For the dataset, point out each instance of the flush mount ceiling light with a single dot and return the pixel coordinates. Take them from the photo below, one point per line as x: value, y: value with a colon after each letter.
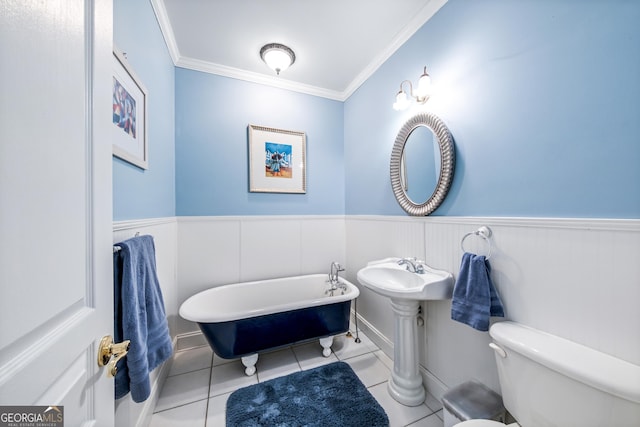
x: 277, y: 56
x: 421, y: 95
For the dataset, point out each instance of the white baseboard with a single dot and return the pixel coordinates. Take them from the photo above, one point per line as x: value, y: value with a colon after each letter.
x: 144, y: 418
x: 433, y: 385
x: 139, y: 414
x: 384, y: 343
x: 190, y: 340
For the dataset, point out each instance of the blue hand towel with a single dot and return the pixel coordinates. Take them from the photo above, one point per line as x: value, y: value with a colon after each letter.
x: 139, y: 316
x: 475, y: 298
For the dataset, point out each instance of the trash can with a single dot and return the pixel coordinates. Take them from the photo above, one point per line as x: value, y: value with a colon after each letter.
x: 472, y: 400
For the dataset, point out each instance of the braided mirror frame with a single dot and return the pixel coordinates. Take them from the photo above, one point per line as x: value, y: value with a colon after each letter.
x: 447, y: 163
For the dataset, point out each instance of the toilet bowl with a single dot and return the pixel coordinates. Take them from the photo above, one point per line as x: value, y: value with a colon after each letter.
x: 548, y: 380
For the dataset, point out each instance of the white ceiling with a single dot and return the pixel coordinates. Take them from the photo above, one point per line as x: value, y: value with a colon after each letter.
x: 338, y: 43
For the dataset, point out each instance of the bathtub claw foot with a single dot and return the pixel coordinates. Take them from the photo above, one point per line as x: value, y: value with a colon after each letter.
x: 326, y: 343
x: 250, y: 363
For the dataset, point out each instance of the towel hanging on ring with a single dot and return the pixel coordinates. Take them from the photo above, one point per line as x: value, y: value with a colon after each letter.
x: 475, y: 298
x: 139, y: 316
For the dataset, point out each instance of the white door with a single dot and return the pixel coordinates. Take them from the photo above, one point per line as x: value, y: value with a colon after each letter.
x: 55, y: 206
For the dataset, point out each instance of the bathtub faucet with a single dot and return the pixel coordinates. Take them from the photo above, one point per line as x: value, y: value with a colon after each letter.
x: 334, y: 278
x: 413, y: 265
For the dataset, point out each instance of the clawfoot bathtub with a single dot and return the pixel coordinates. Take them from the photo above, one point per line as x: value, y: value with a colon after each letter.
x: 243, y: 319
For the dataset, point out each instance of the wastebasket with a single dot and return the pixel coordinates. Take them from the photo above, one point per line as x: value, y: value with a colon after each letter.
x: 472, y: 400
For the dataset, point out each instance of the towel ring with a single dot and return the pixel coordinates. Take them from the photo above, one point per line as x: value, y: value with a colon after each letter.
x: 485, y: 233
x: 116, y: 248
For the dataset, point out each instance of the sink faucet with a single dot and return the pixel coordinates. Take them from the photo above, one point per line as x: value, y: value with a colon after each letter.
x: 412, y: 264
x: 334, y: 279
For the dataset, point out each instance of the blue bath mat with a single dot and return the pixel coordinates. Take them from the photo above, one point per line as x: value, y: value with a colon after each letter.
x: 331, y: 395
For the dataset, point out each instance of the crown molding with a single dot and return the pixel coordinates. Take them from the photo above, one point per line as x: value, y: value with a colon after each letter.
x: 414, y: 25
x: 236, y: 73
x: 166, y: 29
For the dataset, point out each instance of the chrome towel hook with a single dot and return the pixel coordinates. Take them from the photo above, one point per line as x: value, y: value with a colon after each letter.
x: 484, y: 232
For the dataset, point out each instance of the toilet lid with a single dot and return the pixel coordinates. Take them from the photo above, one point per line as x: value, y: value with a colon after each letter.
x: 480, y: 423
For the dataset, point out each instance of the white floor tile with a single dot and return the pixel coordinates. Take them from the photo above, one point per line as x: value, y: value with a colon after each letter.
x: 369, y: 369
x: 191, y: 360
x: 388, y: 362
x: 217, y: 360
x: 216, y: 413
x: 188, y: 398
x: 309, y: 355
x: 185, y: 388
x: 345, y: 347
x: 276, y: 364
x: 191, y: 415
x: 430, y: 421
x: 229, y: 377
x: 433, y: 403
x: 195, y: 340
x: 399, y: 415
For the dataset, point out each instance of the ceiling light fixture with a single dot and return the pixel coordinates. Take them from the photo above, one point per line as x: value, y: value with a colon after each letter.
x: 422, y: 92
x: 277, y: 56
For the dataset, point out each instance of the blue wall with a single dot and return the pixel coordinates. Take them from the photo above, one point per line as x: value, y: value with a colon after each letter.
x: 212, y: 116
x: 542, y: 99
x: 148, y: 193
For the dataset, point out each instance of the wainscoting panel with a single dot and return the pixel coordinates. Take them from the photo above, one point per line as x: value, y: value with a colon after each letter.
x: 164, y: 232
x: 575, y: 278
x: 214, y: 251
x: 374, y: 238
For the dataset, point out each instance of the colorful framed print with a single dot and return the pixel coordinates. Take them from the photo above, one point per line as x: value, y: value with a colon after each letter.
x: 129, y: 130
x: 277, y: 160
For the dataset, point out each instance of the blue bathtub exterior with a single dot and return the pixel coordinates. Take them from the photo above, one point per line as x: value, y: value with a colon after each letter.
x: 242, y: 337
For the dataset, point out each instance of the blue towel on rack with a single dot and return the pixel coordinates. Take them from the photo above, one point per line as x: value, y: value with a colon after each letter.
x: 475, y: 298
x: 139, y: 316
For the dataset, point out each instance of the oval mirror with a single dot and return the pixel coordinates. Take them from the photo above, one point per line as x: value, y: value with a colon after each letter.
x: 422, y: 164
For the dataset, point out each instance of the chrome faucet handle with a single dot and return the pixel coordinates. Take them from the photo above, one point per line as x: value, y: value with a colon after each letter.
x: 334, y: 273
x: 413, y: 265
x: 408, y: 263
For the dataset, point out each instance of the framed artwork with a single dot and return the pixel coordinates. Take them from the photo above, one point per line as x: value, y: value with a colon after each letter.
x: 277, y: 160
x: 129, y: 131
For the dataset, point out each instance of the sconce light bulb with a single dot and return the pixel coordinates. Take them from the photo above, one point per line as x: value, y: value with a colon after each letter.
x: 421, y: 94
x: 424, y: 87
x: 401, y: 101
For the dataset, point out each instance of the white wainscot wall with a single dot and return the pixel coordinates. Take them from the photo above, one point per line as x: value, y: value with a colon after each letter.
x: 164, y: 232
x: 214, y: 251
x: 575, y: 278
x: 579, y: 279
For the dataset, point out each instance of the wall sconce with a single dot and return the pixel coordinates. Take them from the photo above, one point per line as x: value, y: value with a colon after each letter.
x: 277, y: 56
x: 423, y: 91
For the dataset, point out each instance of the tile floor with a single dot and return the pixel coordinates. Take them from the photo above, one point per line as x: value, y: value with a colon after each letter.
x: 199, y: 384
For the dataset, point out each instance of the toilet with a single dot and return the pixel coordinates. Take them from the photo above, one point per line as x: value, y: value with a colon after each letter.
x: 550, y: 381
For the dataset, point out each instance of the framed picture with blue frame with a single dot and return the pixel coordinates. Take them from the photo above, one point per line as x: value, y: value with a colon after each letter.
x: 277, y: 160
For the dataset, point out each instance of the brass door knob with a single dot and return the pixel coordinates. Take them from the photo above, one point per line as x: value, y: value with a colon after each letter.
x: 106, y: 349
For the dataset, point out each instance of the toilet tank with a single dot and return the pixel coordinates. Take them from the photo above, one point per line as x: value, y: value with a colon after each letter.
x: 550, y: 381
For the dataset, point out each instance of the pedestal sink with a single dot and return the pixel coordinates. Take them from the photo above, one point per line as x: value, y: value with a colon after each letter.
x: 406, y: 288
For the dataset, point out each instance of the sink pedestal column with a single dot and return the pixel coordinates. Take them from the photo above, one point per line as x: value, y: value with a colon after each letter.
x: 405, y: 385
